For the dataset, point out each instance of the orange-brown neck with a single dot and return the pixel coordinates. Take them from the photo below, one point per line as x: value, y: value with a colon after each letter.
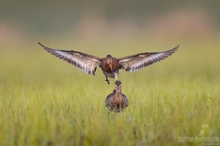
x: 109, y: 65
x: 118, y: 97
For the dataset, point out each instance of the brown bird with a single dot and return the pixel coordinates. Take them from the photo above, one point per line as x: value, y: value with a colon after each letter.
x: 116, y: 101
x: 110, y: 66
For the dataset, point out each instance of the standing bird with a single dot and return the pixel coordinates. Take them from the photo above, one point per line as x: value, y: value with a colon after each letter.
x: 116, y: 101
x: 110, y: 66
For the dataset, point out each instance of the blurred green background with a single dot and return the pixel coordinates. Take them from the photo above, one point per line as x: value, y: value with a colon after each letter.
x: 68, y: 22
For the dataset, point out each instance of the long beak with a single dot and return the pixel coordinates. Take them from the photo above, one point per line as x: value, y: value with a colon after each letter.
x: 110, y: 65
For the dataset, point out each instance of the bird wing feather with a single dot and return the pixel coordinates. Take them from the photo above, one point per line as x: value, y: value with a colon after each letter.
x: 135, y: 62
x: 85, y: 62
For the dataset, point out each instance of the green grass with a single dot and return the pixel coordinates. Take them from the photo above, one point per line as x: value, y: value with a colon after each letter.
x: 45, y: 101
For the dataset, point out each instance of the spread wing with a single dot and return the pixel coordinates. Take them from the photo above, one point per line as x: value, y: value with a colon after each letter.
x: 135, y: 62
x: 85, y: 62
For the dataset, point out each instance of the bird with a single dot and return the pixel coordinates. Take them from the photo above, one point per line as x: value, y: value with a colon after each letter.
x: 116, y: 101
x: 110, y: 65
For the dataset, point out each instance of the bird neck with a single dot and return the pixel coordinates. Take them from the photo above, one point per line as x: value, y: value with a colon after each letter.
x: 118, y: 91
x: 118, y: 94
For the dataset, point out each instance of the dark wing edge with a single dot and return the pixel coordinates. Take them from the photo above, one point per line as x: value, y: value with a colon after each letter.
x: 135, y: 62
x: 85, y: 62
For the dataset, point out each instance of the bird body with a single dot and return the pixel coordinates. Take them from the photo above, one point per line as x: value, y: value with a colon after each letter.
x: 116, y: 101
x: 110, y: 65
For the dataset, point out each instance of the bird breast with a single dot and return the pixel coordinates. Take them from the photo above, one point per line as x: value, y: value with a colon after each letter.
x: 118, y: 98
x: 106, y: 66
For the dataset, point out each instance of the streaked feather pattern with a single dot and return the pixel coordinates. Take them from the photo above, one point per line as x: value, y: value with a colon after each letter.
x: 135, y: 62
x: 82, y: 61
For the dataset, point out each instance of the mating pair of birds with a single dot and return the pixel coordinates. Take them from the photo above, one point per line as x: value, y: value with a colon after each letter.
x: 110, y: 66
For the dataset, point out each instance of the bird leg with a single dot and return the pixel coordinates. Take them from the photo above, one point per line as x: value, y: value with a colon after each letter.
x: 107, y: 80
x: 116, y: 76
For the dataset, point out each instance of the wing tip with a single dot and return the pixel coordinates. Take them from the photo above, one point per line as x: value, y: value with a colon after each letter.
x: 171, y: 51
x: 41, y: 44
x: 45, y: 48
x: 176, y: 48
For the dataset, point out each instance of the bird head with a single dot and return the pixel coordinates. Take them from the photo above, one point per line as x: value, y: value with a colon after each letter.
x: 118, y: 86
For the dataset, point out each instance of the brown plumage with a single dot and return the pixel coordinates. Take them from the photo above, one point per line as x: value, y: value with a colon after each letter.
x: 110, y: 66
x: 116, y: 101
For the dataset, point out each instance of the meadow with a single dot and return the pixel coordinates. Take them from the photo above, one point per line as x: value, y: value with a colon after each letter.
x: 47, y: 102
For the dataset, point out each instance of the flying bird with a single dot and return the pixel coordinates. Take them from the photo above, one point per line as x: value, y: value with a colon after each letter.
x: 116, y: 101
x: 110, y: 65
